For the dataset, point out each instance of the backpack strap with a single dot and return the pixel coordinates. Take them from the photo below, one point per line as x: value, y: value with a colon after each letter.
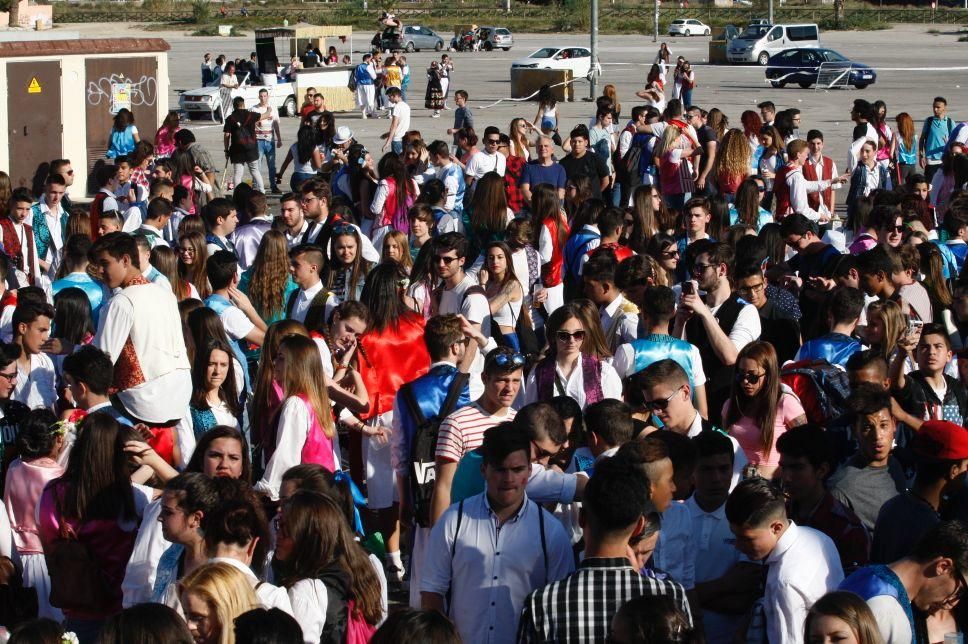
x: 412, y: 405
x: 453, y: 394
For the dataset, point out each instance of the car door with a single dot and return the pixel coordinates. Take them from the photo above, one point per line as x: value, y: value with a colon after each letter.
x: 788, y: 63
x: 809, y: 66
x: 581, y: 61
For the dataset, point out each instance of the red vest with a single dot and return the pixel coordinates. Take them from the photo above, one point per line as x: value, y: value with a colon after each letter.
x: 810, y: 174
x: 551, y: 273
x: 13, y: 248
x: 782, y: 192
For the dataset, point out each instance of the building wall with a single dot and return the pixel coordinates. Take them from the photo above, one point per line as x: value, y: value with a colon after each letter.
x: 30, y: 14
x: 74, y: 91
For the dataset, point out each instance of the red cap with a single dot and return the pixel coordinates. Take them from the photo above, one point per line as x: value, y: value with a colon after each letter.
x: 941, y: 440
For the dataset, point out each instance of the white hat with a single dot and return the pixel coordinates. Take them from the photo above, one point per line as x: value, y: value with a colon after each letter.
x: 343, y: 135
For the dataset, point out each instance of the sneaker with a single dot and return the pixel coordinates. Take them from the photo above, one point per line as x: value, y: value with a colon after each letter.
x: 435, y: 115
x: 364, y: 116
x: 275, y: 190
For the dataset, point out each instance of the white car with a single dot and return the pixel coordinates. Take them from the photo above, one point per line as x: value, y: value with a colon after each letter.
x: 688, y: 27
x: 577, y: 59
x: 213, y: 103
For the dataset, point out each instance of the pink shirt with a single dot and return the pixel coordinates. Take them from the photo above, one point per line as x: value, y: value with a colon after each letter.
x: 25, y: 483
x: 748, y: 434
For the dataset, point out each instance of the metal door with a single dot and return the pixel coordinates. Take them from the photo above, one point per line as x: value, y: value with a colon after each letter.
x: 34, y: 118
x: 102, y: 76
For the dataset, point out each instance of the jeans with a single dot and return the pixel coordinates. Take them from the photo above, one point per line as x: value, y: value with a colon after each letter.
x: 267, y: 151
x: 239, y: 169
x: 397, y: 146
x: 686, y: 96
x: 299, y: 178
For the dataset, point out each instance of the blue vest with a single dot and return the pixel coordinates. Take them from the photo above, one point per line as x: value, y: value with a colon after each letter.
x: 362, y: 75
x: 835, y: 348
x: 213, y: 239
x: 576, y: 247
x: 93, y: 290
x: 202, y: 420
x: 468, y: 479
x: 42, y: 234
x: 220, y: 304
x: 655, y: 347
x: 429, y: 390
x: 454, y: 170
x: 959, y: 251
x: 877, y: 581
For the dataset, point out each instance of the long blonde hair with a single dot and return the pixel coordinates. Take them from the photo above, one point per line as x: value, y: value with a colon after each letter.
x: 668, y: 140
x: 735, y: 158
x: 303, y: 376
x: 226, y: 590
x: 270, y: 273
x: 892, y: 319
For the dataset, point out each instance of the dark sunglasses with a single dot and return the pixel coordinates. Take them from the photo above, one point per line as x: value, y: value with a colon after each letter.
x: 543, y: 453
x: 446, y: 260
x: 564, y: 336
x: 895, y: 229
x: 751, y: 378
x: 494, y: 141
x: 508, y: 359
x: 660, y: 403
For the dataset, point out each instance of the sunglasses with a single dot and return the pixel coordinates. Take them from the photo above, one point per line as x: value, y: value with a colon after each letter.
x: 508, y: 359
x: 564, y: 336
x: 750, y: 377
x: 494, y: 141
x: 446, y: 260
x: 670, y: 253
x: 660, y: 404
x: 543, y: 453
x: 343, y: 229
x: 895, y: 229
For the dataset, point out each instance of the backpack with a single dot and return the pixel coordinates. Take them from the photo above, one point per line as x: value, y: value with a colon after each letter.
x: 76, y: 580
x: 351, y: 83
x: 423, y: 446
x: 823, y: 388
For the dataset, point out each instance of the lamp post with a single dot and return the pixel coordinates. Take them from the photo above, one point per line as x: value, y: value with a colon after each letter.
x: 655, y: 22
x: 593, y: 76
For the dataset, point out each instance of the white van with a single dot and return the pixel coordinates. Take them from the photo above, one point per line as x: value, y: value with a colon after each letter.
x: 759, y: 42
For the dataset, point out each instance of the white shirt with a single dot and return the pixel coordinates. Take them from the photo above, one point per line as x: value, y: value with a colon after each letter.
x: 574, y: 384
x: 747, y: 327
x: 715, y: 554
x: 451, y: 185
x: 237, y: 324
x: 269, y: 596
x: 263, y: 127
x: 25, y: 250
x: 739, y: 456
x: 803, y: 567
x: 37, y: 388
x: 185, y: 430
x: 493, y: 568
x: 247, y: 239
x: 54, y: 251
x: 475, y: 308
x: 293, y: 428
x: 401, y: 112
x: 675, y: 551
x: 551, y: 485
x: 482, y: 163
x: 799, y: 188
x: 891, y: 621
x: 627, y: 329
x: 309, y: 603
x: 149, y: 545
x: 303, y: 299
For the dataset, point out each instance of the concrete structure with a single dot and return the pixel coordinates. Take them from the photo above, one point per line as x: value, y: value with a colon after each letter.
x: 61, y: 96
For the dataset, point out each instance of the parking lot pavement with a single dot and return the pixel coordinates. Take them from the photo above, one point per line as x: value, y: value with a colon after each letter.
x: 625, y: 60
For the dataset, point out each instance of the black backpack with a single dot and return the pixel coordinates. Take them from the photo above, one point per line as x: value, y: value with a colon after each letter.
x: 823, y: 388
x: 423, y: 446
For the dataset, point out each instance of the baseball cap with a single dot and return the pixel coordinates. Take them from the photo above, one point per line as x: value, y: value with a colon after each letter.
x: 940, y: 440
x: 343, y: 134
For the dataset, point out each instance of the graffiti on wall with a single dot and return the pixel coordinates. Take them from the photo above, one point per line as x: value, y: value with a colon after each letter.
x: 142, y: 92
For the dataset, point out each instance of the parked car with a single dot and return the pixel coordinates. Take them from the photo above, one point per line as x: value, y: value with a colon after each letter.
x: 577, y: 59
x: 802, y: 66
x: 413, y: 38
x: 760, y: 41
x: 688, y: 27
x: 495, y: 38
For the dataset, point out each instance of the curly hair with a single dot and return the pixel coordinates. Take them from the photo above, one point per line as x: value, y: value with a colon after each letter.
x: 734, y: 156
x: 270, y: 272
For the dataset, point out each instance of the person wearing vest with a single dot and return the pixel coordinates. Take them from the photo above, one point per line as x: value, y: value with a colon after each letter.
x: 158, y: 213
x: 243, y: 325
x: 567, y: 370
x: 221, y: 219
x: 867, y: 177
x: 819, y: 167
x: 141, y: 330
x: 389, y: 207
x: 18, y: 237
x: 719, y: 323
x: 451, y: 175
x: 791, y: 187
x: 315, y: 199
x: 619, y: 316
x: 580, y: 243
x: 551, y: 234
x: 106, y: 179
x: 365, y: 77
x: 444, y: 338
x: 312, y: 304
x: 658, y: 311
x: 929, y: 579
x: 49, y: 220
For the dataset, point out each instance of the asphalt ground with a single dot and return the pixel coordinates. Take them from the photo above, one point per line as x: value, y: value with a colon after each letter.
x: 910, y: 64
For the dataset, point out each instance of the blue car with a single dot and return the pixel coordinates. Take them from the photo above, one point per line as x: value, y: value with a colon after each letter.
x: 803, y: 66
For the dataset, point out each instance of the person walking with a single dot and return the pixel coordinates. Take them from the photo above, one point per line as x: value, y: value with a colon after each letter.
x: 434, y: 97
x: 241, y: 147
x: 268, y: 136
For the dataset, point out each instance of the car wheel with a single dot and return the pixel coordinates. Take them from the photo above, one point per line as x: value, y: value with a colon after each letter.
x: 195, y: 116
x: 410, y: 48
x: 488, y: 46
x: 763, y: 58
x: 778, y: 83
x: 805, y: 84
x: 687, y: 33
x: 709, y: 32
x: 861, y: 85
x: 506, y: 48
x: 289, y: 107
x: 439, y: 45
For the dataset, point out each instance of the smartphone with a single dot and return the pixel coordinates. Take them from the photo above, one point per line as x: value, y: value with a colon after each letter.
x: 689, y: 287
x: 914, y: 327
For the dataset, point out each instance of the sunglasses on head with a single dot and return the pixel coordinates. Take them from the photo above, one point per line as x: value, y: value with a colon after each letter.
x: 564, y: 336
x: 508, y: 359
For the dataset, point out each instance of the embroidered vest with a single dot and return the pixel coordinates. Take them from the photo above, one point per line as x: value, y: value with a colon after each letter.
x: 547, y: 374
x: 202, y: 421
x: 810, y: 174
x: 880, y: 581
x: 220, y: 304
x: 575, y: 248
x: 14, y: 249
x: 782, y: 191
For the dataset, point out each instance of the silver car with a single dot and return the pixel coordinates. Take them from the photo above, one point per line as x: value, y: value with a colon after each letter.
x: 415, y: 38
x: 495, y: 38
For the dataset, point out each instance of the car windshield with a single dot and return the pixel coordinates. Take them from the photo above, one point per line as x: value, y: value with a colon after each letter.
x: 755, y: 32
x: 546, y: 52
x: 833, y: 56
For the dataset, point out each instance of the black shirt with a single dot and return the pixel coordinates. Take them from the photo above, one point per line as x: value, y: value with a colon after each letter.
x: 781, y: 330
x: 241, y: 125
x: 705, y: 134
x: 590, y: 166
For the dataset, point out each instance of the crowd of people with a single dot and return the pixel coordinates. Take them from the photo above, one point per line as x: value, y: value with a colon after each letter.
x: 646, y: 383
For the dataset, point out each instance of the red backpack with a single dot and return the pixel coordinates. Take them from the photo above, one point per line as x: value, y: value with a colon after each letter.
x: 823, y: 388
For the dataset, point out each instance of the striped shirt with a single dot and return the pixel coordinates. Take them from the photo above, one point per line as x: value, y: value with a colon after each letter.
x: 580, y: 607
x: 463, y: 431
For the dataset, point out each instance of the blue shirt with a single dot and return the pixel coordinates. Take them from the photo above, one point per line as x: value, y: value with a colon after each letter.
x: 835, y: 348
x: 935, y: 134
x: 95, y: 291
x: 535, y: 173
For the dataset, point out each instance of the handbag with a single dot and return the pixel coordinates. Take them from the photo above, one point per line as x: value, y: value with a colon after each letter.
x: 76, y: 580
